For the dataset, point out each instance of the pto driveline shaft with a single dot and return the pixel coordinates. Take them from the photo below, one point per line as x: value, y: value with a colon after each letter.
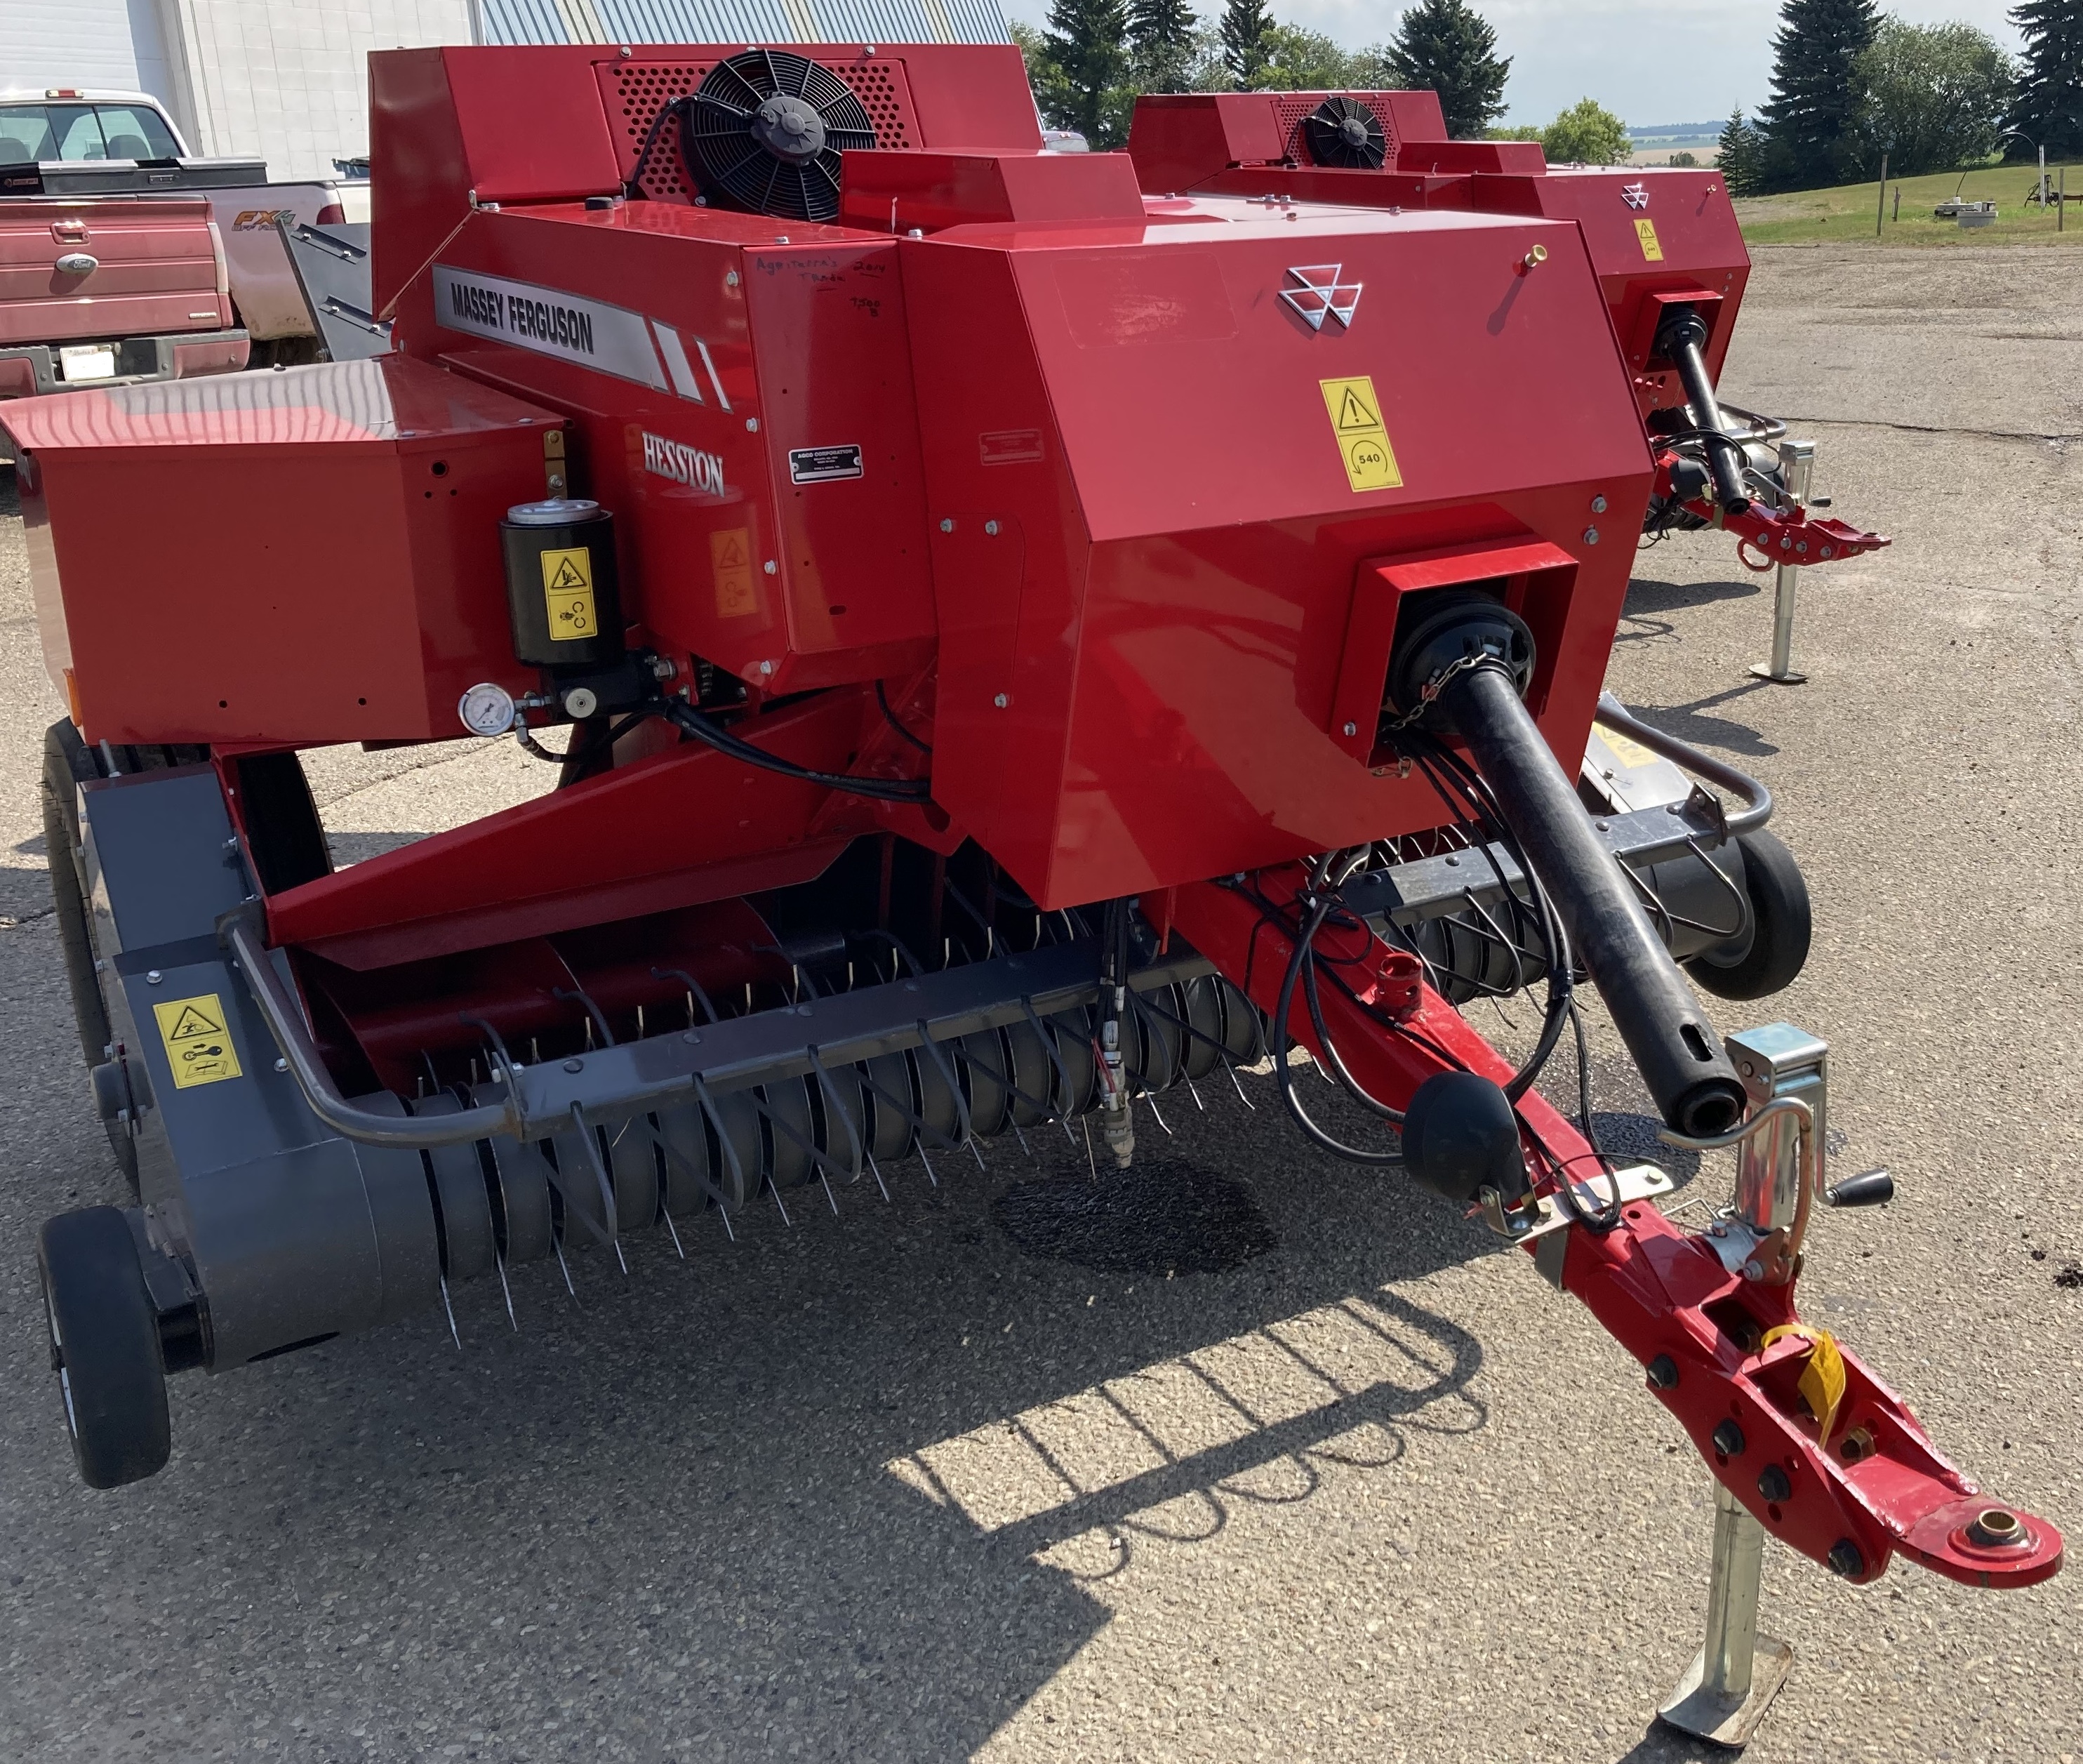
x: 1674, y: 1046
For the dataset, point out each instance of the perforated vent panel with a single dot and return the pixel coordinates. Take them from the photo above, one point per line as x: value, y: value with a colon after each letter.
x: 634, y: 91
x: 1289, y: 108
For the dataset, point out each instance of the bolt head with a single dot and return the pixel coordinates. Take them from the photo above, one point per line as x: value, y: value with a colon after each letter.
x: 1663, y: 1373
x: 1001, y: 701
x: 281, y: 1065
x: 575, y: 1065
x: 1845, y: 1559
x: 1352, y: 729
x: 947, y: 527
x: 1598, y: 505
x: 1591, y: 535
x: 153, y: 976
x: 991, y: 528
x: 1774, y: 1484
x: 752, y: 426
x: 1728, y: 1439
x: 772, y: 568
x: 730, y: 278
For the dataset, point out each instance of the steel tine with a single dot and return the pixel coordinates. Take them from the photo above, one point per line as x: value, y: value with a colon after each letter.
x: 1022, y: 1138
x: 723, y: 1214
x: 499, y: 1262
x: 1150, y: 1098
x: 831, y: 1200
x: 1090, y: 1164
x: 928, y: 1163
x: 558, y: 1244
x: 1193, y: 1091
x: 1239, y: 1083
x: 876, y: 1173
x: 450, y: 1309
x: 672, y: 1229
x: 780, y: 1203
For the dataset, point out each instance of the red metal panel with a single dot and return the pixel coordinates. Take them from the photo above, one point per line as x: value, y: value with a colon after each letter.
x: 533, y: 123
x: 890, y: 193
x: 674, y: 829
x: 227, y: 605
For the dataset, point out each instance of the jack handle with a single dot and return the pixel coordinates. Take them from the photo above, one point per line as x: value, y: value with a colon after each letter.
x: 1778, y: 1256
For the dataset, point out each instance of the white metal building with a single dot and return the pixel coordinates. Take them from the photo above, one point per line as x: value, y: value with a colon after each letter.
x: 284, y: 80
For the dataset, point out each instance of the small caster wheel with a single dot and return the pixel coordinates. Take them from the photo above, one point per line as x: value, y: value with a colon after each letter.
x: 1766, y: 958
x: 104, y: 1347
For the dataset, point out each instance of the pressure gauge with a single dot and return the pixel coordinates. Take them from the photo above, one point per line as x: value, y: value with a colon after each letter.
x: 487, y: 709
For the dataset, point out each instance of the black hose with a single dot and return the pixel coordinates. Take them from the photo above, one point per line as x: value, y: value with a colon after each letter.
x: 689, y: 720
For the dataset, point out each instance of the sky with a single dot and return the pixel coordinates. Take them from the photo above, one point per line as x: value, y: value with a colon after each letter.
x: 1647, y: 60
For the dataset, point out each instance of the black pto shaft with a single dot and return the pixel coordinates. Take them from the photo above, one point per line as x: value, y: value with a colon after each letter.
x: 1679, y: 338
x: 1475, y: 657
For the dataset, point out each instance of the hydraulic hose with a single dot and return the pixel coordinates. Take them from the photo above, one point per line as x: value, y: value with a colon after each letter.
x: 1674, y: 1046
x: 1679, y: 339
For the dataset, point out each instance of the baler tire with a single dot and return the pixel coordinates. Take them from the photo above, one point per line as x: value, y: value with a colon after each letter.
x: 1782, y: 925
x: 105, y: 1347
x: 67, y: 764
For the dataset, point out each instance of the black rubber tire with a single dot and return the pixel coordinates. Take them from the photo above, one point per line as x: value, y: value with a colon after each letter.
x: 1782, y: 926
x: 67, y: 764
x: 105, y: 1346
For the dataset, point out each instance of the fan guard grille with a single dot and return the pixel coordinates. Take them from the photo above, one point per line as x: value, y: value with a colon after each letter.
x: 721, y: 144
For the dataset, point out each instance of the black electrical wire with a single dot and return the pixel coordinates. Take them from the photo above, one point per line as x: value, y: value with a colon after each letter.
x: 632, y: 186
x: 689, y: 720
x: 889, y: 717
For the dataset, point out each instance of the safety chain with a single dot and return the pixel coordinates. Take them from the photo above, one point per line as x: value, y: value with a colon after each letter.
x: 1439, y: 684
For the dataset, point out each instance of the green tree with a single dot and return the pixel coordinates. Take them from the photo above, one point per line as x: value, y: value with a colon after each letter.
x: 1163, y: 44
x: 1248, y: 29
x: 1738, y: 156
x: 1444, y: 46
x: 1810, y: 134
x: 2048, y: 106
x: 1078, y: 69
x: 1586, y: 133
x: 1930, y: 96
x: 1299, y: 60
x: 1686, y: 159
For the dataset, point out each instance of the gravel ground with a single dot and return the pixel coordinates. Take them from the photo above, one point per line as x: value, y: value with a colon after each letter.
x: 1323, y: 1476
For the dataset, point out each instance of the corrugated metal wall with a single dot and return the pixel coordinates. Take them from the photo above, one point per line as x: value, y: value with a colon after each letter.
x: 743, y: 21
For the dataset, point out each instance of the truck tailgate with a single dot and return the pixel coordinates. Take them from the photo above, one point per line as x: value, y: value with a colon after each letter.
x: 135, y: 266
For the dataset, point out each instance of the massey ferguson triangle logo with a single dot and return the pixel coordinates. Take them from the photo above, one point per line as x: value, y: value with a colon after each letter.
x: 1635, y: 195
x: 1318, y: 294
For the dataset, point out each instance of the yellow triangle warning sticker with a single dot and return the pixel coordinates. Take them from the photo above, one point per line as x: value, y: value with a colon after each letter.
x: 729, y: 549
x: 1354, y: 414
x: 192, y: 1022
x: 569, y: 575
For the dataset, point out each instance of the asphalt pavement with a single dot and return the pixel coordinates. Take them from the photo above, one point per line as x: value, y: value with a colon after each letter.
x: 1253, y: 1455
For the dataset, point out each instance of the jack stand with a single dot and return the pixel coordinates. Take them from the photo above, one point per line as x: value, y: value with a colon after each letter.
x: 1738, y: 1672
x: 1796, y: 460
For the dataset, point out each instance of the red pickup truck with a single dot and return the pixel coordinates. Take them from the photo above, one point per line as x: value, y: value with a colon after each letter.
x: 112, y: 289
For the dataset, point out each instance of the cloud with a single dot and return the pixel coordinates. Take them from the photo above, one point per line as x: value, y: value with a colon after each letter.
x: 1649, y: 61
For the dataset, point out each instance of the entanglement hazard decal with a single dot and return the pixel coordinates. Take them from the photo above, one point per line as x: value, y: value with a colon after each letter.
x: 1363, y: 440
x: 198, y: 1038
x: 568, y: 594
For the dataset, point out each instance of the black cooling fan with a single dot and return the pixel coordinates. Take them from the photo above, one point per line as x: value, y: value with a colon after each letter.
x: 1345, y: 132
x: 765, y: 131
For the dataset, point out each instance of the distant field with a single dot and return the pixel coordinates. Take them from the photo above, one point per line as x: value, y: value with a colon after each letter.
x: 1847, y: 213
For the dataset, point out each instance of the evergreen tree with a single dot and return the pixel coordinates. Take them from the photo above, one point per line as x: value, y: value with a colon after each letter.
x: 1810, y: 139
x: 1444, y: 46
x: 1738, y: 156
x: 2048, y: 107
x: 1246, y: 40
x: 1082, y: 82
x: 1162, y: 41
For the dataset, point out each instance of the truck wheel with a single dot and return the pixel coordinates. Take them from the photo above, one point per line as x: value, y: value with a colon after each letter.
x: 104, y: 1347
x: 1767, y: 959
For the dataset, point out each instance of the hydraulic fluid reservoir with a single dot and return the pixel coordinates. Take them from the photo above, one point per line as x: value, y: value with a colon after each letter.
x: 562, y: 593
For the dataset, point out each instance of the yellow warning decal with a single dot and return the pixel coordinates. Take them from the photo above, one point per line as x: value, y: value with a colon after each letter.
x: 1629, y: 752
x: 568, y: 588
x: 1356, y: 421
x: 1644, y: 230
x: 730, y: 560
x: 1822, y: 1382
x: 198, y: 1042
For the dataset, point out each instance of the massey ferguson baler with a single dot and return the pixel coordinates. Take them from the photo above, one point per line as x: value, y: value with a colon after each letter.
x: 1020, y: 644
